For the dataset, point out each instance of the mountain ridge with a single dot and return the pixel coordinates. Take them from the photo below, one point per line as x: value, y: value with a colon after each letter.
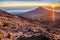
x: 40, y: 13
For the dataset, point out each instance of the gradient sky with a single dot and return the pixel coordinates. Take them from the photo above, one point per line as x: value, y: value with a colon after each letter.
x: 25, y: 5
x: 13, y: 3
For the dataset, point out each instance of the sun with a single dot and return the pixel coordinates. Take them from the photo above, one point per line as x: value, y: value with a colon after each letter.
x: 53, y: 9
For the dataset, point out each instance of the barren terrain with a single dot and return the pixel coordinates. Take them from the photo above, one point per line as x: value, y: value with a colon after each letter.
x: 14, y: 27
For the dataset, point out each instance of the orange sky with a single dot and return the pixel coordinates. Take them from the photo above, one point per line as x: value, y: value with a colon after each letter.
x: 23, y: 5
x: 26, y: 4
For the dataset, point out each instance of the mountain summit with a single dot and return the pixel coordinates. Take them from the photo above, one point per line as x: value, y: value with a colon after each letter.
x: 39, y: 13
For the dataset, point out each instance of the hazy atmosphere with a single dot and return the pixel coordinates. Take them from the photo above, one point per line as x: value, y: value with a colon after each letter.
x: 21, y: 6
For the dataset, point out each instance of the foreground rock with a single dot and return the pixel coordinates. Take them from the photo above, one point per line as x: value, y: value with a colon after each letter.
x: 14, y: 27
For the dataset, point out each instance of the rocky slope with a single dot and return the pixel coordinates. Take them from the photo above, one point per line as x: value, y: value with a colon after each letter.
x: 14, y: 27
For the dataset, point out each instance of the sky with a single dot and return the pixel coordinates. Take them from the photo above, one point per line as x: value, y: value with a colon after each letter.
x: 13, y: 3
x: 25, y: 5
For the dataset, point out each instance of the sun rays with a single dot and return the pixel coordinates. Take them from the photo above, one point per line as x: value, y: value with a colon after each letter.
x: 53, y: 14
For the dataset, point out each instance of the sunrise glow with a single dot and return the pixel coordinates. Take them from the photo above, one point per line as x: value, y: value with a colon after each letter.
x: 23, y: 5
x: 53, y: 14
x: 53, y: 7
x: 26, y: 4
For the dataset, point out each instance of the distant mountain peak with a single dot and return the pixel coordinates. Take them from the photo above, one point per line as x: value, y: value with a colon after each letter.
x: 38, y: 13
x: 39, y: 8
